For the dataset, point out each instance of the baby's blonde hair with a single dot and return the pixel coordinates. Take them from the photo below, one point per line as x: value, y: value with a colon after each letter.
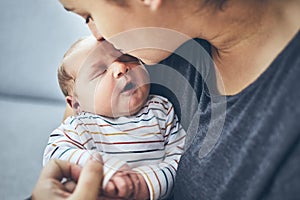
x: 66, y: 81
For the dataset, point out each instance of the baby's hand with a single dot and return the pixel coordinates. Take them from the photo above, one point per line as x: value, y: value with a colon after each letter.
x: 119, y: 185
x: 127, y: 184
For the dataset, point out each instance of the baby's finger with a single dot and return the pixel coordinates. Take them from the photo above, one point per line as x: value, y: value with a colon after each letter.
x: 110, y: 189
x: 70, y: 186
x: 124, y: 186
x: 136, y: 184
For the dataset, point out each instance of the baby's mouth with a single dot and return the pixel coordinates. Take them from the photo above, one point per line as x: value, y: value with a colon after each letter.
x: 129, y: 87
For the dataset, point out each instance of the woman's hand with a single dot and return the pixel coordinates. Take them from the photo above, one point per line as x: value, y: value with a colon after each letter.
x: 88, y: 178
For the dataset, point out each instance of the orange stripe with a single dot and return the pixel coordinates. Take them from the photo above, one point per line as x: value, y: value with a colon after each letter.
x: 167, y: 127
x: 146, y: 134
x: 72, y: 139
x: 80, y: 157
x: 169, y: 124
x: 92, y: 124
x: 176, y: 140
x: 146, y: 126
x: 87, y: 141
x: 173, y: 167
x: 138, y: 142
x: 114, y: 134
x: 72, y: 155
x: 70, y: 131
x: 170, y: 110
x: 80, y: 147
x: 151, y: 185
x: 179, y: 147
x: 100, y: 133
x: 157, y: 180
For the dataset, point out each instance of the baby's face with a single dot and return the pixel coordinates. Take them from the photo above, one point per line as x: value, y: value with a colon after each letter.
x: 108, y: 83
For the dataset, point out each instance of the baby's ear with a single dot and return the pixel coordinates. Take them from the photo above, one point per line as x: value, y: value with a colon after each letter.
x: 73, y: 103
x: 153, y: 4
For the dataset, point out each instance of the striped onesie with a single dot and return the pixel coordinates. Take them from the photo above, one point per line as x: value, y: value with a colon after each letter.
x: 151, y: 142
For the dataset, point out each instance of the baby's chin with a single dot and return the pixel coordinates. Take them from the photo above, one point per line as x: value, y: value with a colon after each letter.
x: 132, y: 110
x: 135, y: 110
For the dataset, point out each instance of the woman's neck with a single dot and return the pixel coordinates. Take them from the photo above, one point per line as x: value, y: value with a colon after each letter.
x: 246, y: 38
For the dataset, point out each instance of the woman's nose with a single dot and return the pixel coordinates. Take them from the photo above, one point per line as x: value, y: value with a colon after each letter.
x: 93, y: 28
x: 119, y: 69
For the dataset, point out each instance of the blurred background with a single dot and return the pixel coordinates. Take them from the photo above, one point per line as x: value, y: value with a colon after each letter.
x: 34, y: 36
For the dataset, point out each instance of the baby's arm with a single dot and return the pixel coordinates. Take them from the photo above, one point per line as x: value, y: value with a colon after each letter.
x: 65, y: 144
x: 160, y: 177
x: 152, y: 181
x: 70, y: 142
x: 155, y: 180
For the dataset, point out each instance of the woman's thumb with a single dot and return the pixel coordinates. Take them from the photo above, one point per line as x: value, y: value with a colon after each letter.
x: 89, y: 181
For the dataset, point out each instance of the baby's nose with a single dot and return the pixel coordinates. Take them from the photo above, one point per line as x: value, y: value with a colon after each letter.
x: 119, y: 69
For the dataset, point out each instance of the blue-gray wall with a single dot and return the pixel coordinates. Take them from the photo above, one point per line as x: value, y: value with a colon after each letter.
x: 34, y: 36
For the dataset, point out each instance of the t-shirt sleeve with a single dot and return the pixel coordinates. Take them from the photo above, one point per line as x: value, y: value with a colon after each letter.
x: 160, y: 177
x: 66, y: 143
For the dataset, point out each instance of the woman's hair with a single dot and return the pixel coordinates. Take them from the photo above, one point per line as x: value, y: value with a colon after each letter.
x: 217, y: 3
x: 118, y: 2
x: 66, y: 80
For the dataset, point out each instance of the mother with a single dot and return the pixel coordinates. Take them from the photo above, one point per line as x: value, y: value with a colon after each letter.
x: 255, y: 47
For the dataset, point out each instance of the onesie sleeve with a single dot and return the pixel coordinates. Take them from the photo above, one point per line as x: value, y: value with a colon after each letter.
x: 71, y: 143
x: 160, y: 177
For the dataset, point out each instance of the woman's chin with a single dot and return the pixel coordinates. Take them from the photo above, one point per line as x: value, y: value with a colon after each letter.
x: 150, y: 56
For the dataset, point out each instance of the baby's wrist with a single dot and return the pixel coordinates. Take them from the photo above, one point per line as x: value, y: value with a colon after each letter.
x: 143, y: 193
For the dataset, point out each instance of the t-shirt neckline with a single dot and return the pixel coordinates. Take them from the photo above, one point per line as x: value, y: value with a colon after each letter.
x: 268, y: 71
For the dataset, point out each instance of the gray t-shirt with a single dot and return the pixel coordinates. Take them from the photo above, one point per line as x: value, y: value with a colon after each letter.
x: 257, y: 152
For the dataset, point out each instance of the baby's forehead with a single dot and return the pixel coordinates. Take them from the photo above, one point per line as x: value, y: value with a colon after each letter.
x: 88, y: 53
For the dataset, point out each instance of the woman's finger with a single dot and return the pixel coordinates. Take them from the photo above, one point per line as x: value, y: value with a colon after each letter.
x: 89, y: 181
x: 59, y: 169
